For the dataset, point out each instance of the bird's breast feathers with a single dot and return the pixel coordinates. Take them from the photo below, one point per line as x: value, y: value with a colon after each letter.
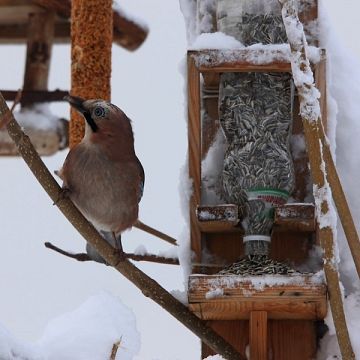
x: 106, y: 191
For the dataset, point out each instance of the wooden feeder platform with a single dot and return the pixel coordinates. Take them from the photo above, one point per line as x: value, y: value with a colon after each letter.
x: 233, y: 297
x: 282, y: 318
x: 226, y: 218
x: 14, y: 15
x: 39, y: 24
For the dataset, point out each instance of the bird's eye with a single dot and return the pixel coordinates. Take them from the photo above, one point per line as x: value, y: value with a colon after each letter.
x: 99, y: 111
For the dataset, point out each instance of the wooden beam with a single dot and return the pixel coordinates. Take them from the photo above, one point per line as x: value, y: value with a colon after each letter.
x: 243, y: 60
x: 37, y: 96
x: 295, y: 217
x: 231, y: 297
x: 319, y: 166
x: 38, y: 54
x: 126, y: 33
x: 61, y: 7
x: 194, y: 145
x: 18, y: 33
x: 258, y: 335
x: 225, y: 218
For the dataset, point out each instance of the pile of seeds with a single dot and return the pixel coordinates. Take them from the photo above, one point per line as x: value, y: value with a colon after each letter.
x: 253, y: 265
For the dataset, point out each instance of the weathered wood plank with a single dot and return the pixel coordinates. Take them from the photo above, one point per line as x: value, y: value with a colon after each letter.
x: 258, y: 335
x: 236, y: 332
x: 225, y: 218
x: 18, y: 33
x: 126, y: 33
x: 14, y: 16
x: 194, y: 145
x: 10, y: 14
x: 38, y: 54
x: 35, y: 95
x: 295, y: 217
x: 220, y: 297
x: 292, y: 339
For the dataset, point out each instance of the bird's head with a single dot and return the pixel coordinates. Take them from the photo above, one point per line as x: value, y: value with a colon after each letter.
x: 102, y: 117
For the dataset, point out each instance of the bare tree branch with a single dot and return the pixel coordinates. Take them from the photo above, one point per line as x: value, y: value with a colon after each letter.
x: 115, y: 349
x: 147, y: 285
x: 146, y: 257
x: 78, y: 257
x: 7, y: 118
x: 141, y: 226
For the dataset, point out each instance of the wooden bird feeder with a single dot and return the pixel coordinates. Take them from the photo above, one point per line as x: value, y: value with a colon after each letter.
x: 40, y: 24
x: 280, y: 319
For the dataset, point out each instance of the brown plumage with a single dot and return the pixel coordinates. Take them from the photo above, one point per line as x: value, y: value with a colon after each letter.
x: 103, y: 176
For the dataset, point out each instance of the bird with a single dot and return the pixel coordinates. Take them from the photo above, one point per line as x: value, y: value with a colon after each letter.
x: 102, y: 174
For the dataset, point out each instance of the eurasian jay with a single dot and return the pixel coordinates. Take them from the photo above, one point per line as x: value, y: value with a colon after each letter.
x: 102, y: 174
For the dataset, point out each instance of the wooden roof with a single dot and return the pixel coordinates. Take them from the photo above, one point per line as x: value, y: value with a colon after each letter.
x: 14, y: 16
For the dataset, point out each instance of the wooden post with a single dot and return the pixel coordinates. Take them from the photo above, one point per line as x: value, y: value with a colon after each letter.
x: 194, y: 136
x: 38, y: 55
x: 309, y: 106
x: 258, y: 335
x: 91, y: 38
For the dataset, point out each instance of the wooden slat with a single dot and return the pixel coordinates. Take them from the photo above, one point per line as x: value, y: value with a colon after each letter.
x: 244, y: 60
x: 258, y: 335
x: 225, y: 218
x: 236, y: 332
x: 14, y: 16
x: 17, y: 33
x: 221, y: 297
x: 194, y: 145
x: 292, y: 339
x: 19, y: 14
x: 36, y: 95
x: 126, y: 33
x: 312, y: 124
x: 295, y: 217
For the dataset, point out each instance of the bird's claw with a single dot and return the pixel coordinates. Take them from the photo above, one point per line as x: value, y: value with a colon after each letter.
x: 120, y: 254
x: 63, y: 194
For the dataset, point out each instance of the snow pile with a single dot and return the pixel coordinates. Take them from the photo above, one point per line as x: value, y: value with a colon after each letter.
x: 37, y: 117
x: 88, y: 332
x: 12, y: 348
x: 215, y: 293
x: 216, y: 40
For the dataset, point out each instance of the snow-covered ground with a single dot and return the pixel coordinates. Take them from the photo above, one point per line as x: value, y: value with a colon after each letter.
x: 38, y: 285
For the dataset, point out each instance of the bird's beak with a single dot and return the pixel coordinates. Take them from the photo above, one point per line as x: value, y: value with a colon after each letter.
x: 76, y: 102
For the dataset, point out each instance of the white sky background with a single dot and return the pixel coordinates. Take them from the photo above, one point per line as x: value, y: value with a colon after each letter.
x: 37, y: 284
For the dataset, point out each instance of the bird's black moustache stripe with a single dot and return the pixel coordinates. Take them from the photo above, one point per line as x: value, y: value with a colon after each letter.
x: 90, y: 121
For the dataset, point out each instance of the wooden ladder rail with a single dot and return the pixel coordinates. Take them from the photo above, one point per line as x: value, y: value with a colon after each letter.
x: 319, y: 163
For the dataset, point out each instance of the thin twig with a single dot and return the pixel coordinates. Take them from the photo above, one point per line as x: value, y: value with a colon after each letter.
x: 115, y: 349
x: 85, y: 257
x: 147, y: 257
x: 78, y: 257
x: 141, y: 226
x: 153, y: 258
x: 6, y: 118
